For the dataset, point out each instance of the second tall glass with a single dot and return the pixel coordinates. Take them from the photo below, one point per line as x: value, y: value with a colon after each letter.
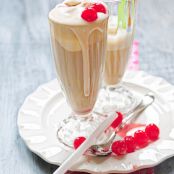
x: 121, y: 27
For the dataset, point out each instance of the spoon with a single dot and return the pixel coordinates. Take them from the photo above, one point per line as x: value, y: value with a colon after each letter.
x: 104, y: 149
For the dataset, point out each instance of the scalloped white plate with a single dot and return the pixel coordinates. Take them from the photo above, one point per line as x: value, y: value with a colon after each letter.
x: 42, y: 111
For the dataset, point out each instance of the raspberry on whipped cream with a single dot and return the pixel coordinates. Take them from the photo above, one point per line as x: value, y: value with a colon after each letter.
x: 91, y: 11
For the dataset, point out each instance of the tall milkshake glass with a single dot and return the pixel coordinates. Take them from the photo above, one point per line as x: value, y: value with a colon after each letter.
x: 79, y: 49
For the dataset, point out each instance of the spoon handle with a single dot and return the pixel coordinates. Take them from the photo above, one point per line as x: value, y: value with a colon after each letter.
x: 146, y: 101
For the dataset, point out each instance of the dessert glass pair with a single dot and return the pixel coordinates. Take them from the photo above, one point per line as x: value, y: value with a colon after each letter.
x: 84, y: 41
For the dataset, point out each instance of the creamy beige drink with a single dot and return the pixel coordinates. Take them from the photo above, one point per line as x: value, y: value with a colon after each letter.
x: 79, y: 51
x: 119, y: 44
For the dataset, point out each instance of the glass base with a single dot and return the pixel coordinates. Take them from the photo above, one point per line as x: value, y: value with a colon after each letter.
x: 76, y: 126
x: 116, y: 98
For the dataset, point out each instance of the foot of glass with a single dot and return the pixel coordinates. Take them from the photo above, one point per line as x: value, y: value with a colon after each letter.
x: 116, y: 98
x: 76, y: 126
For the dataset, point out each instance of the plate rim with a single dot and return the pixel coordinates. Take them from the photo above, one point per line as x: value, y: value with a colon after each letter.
x: 139, y: 73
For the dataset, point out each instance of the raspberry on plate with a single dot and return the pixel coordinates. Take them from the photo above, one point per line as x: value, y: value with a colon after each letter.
x: 119, y: 147
x: 99, y: 7
x: 78, y: 141
x: 152, y: 132
x: 130, y: 143
x: 89, y: 14
x: 141, y: 138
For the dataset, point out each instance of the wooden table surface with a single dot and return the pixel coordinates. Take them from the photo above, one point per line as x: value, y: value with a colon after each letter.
x: 25, y: 63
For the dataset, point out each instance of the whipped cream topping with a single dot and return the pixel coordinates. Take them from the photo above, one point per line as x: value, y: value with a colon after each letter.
x: 71, y: 14
x: 118, y: 38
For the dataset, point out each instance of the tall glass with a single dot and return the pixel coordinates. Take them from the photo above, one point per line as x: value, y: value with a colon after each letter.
x: 121, y: 28
x: 79, y: 56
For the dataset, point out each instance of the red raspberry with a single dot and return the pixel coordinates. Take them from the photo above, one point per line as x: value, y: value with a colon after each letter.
x: 78, y: 141
x: 152, y: 132
x: 141, y: 138
x: 119, y: 147
x: 117, y: 121
x: 130, y: 143
x: 89, y: 14
x: 99, y: 7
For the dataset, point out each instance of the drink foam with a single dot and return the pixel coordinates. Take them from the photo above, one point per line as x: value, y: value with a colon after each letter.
x: 71, y: 15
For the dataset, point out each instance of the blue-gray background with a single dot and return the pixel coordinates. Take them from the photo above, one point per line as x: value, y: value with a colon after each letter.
x: 25, y: 63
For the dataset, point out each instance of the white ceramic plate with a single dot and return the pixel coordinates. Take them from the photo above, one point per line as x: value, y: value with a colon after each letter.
x: 42, y: 111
